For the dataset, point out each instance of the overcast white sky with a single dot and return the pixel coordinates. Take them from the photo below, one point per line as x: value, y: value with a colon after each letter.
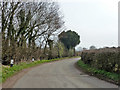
x: 96, y: 21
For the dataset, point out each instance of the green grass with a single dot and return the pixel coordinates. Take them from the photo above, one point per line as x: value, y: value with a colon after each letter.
x: 8, y: 72
x: 0, y: 73
x: 100, y: 73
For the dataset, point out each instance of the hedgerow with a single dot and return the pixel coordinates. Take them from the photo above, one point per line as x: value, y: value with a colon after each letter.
x: 99, y: 73
x: 107, y: 59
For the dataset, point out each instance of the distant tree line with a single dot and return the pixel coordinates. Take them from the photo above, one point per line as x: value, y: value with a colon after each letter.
x: 29, y: 29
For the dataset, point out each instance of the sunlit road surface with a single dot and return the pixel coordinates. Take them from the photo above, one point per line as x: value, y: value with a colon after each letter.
x: 60, y: 74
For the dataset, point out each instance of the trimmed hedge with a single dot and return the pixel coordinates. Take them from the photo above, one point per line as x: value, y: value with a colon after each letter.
x: 99, y: 73
x: 107, y: 59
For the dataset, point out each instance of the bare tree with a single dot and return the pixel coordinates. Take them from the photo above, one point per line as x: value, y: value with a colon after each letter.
x: 23, y: 23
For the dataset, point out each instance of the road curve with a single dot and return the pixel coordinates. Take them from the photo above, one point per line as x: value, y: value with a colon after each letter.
x: 60, y: 74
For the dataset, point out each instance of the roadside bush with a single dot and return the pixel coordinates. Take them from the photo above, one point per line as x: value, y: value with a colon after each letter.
x: 109, y: 76
x: 107, y: 59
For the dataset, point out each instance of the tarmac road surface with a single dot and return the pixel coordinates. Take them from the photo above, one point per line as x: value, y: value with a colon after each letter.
x: 60, y: 74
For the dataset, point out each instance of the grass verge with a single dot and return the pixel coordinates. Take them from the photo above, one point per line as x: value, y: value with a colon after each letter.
x: 8, y: 72
x: 102, y: 74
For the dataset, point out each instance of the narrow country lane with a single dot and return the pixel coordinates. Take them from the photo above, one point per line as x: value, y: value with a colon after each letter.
x: 60, y: 74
